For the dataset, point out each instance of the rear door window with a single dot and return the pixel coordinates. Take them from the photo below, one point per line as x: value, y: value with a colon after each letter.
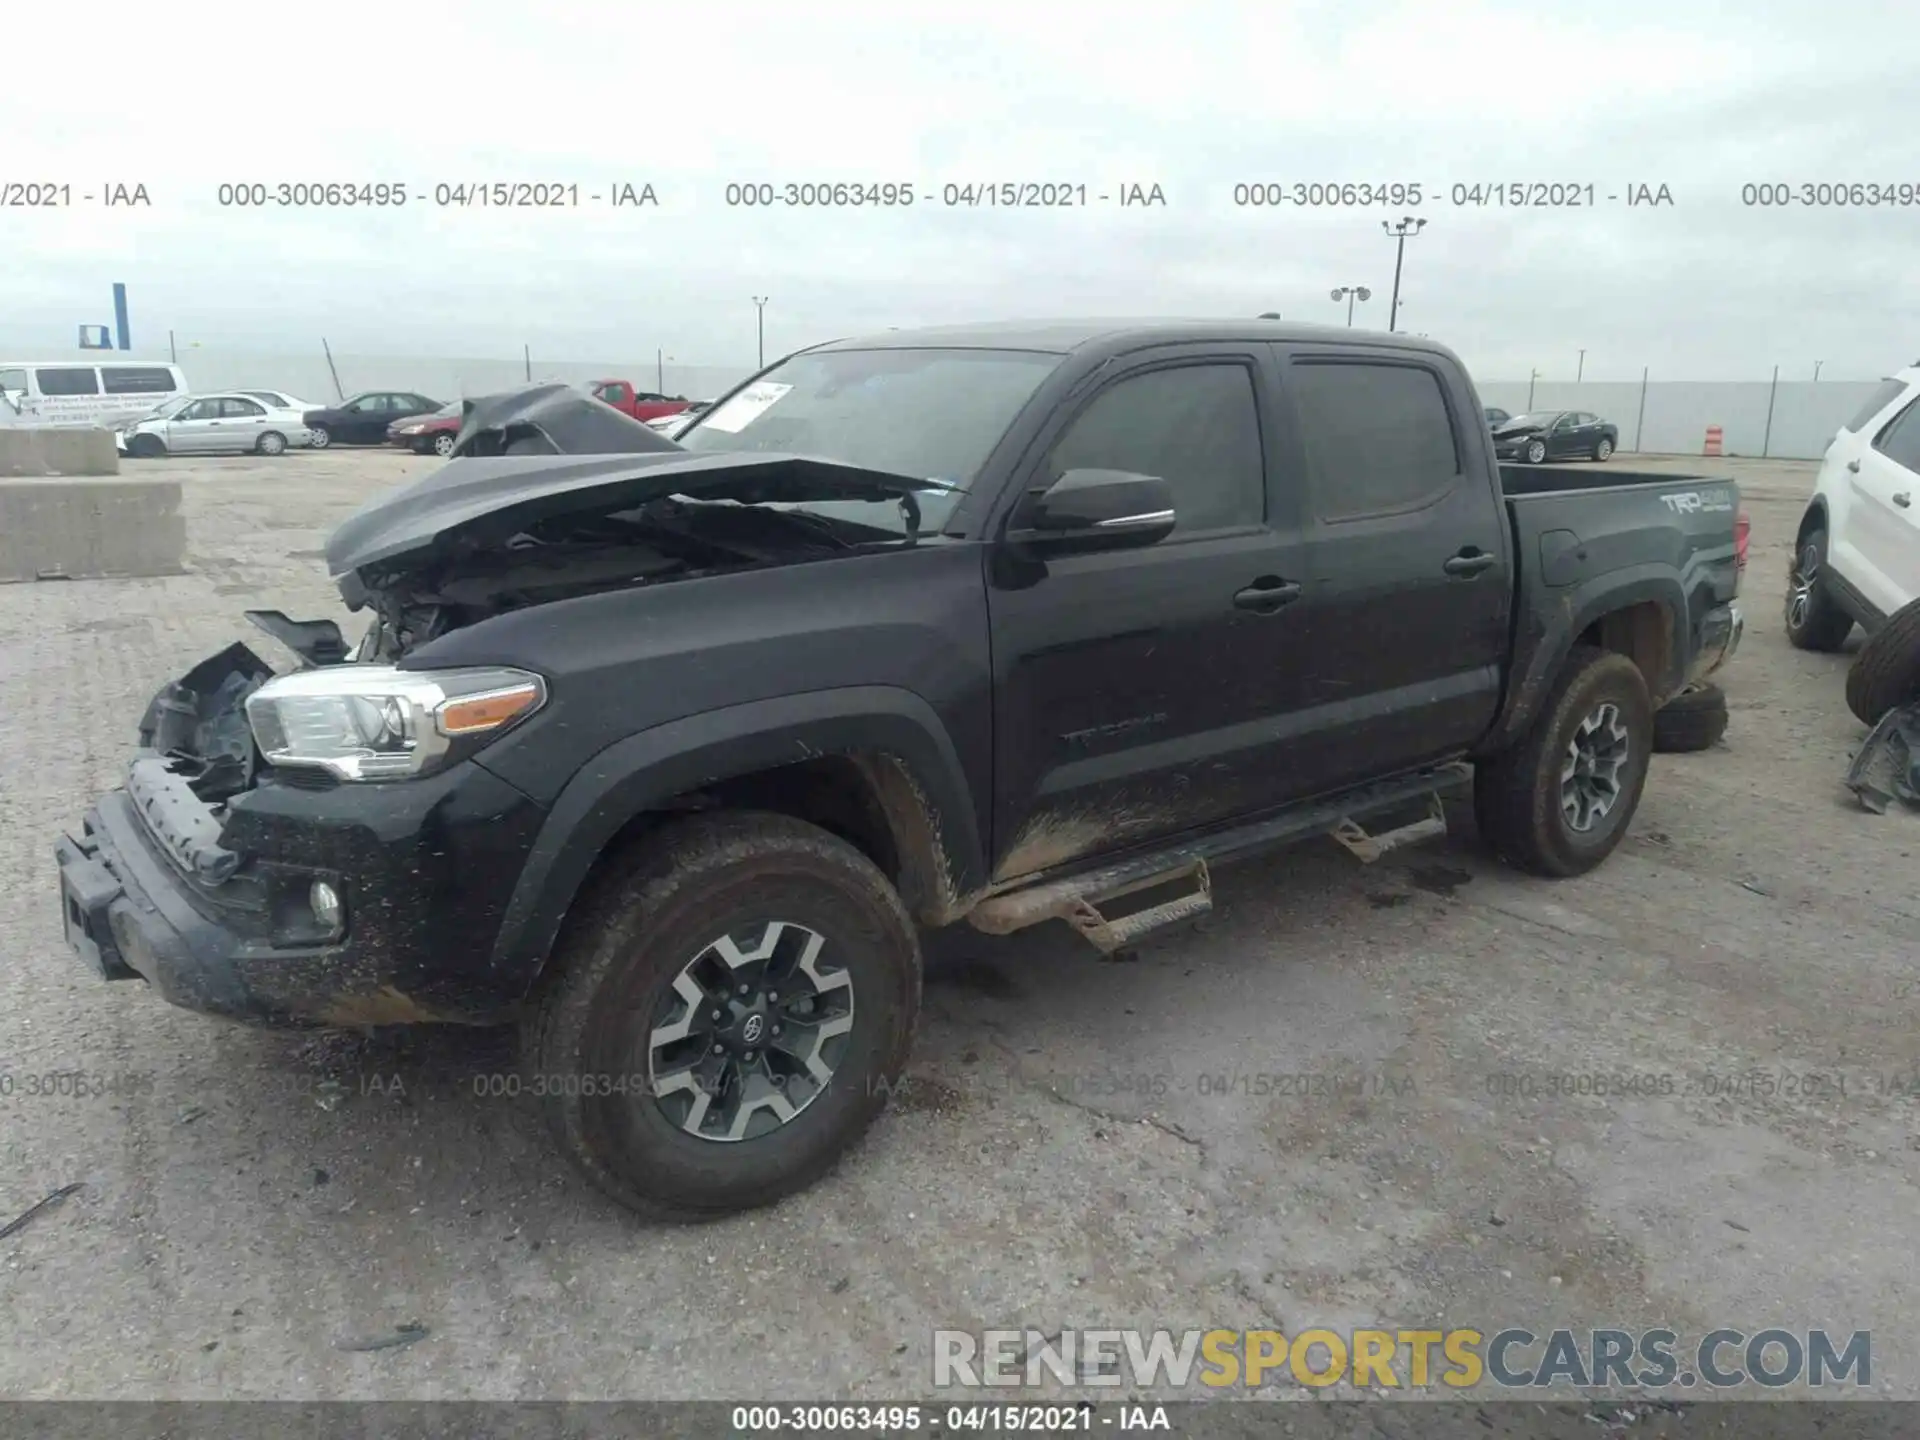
x: 1379, y: 436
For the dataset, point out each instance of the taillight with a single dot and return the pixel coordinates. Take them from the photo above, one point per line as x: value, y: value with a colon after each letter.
x: 1742, y: 528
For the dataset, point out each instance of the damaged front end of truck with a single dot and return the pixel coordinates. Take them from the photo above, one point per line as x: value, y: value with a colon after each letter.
x: 307, y: 846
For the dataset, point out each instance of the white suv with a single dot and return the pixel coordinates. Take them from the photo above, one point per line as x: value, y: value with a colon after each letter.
x: 1857, y: 557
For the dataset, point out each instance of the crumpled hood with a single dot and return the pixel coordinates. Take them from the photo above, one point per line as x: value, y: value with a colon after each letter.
x: 568, y: 452
x: 1507, y: 430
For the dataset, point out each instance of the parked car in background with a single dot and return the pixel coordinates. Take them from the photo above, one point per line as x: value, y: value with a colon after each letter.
x: 1496, y: 417
x: 1856, y: 556
x: 1542, y: 435
x: 281, y: 400
x: 672, y: 425
x: 428, y: 434
x: 231, y: 424
x: 60, y: 393
x: 363, y: 419
x: 640, y: 404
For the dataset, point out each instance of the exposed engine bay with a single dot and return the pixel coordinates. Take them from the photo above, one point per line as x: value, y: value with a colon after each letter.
x: 566, y: 556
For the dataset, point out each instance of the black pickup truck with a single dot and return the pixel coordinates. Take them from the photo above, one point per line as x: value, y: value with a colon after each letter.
x: 667, y: 751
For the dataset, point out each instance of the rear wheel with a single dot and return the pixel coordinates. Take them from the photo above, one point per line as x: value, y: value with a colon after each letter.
x: 322, y: 437
x: 1695, y: 719
x: 1558, y: 803
x: 1815, y: 620
x: 1603, y: 449
x: 1886, y: 672
x: 271, y: 443
x: 726, y: 1017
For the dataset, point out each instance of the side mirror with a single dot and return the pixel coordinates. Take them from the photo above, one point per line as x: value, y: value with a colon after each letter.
x: 1096, y: 510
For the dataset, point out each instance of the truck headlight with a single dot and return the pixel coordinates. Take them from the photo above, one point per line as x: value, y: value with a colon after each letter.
x: 375, y: 722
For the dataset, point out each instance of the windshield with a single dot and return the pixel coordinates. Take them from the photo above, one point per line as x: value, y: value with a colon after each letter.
x: 1542, y: 418
x: 928, y: 414
x: 168, y: 407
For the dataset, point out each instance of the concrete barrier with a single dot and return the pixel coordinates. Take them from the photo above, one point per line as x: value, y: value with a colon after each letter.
x: 45, y: 450
x: 81, y: 528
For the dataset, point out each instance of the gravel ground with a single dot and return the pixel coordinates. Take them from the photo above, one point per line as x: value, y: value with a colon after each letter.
x: 255, y: 1201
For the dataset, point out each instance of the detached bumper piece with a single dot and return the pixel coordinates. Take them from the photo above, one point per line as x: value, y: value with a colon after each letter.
x: 1888, y: 765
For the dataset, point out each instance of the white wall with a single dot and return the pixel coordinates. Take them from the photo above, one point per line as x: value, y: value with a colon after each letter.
x: 1677, y: 412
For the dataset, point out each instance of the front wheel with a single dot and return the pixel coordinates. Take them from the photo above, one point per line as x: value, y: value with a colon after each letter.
x: 1536, y: 452
x: 443, y: 444
x: 1558, y: 803
x: 271, y: 443
x: 726, y: 1016
x: 322, y: 437
x: 1602, y: 450
x: 146, y: 447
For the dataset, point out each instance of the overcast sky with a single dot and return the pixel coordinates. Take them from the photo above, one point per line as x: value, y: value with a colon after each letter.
x: 1700, y: 97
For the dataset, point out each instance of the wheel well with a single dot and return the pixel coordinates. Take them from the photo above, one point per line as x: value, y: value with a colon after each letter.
x: 1814, y: 519
x: 1644, y: 634
x: 870, y: 801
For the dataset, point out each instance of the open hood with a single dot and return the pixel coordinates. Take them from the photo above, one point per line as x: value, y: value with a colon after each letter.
x: 551, y: 450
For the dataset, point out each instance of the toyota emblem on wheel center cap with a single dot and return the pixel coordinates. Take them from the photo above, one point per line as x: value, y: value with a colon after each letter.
x: 753, y: 1028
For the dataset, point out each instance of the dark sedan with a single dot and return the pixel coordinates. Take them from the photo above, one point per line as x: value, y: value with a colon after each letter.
x: 1542, y: 435
x: 363, y: 419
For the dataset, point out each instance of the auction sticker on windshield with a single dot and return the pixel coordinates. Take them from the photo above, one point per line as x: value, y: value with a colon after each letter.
x: 746, y: 407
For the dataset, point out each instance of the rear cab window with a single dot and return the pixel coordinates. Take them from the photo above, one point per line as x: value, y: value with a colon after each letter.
x: 1378, y: 434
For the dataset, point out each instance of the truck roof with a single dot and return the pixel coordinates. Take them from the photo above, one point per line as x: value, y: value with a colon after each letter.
x: 1063, y: 337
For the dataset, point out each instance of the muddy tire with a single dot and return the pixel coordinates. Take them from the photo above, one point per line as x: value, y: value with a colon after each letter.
x: 725, y: 1015
x: 1814, y: 618
x: 1886, y: 673
x: 1691, y: 721
x: 1559, y: 801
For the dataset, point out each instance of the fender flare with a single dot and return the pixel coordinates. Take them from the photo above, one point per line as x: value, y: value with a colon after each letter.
x: 1581, y: 607
x: 909, y: 756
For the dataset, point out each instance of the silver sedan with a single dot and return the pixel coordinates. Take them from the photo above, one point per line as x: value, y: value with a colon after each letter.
x: 228, y: 423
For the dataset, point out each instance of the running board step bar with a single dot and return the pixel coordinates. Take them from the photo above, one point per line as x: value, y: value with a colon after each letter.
x: 1081, y: 899
x: 1369, y: 848
x: 1078, y: 901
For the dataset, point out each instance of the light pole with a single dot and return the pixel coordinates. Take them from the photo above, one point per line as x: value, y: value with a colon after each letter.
x: 1816, y: 370
x: 1409, y: 225
x: 760, y: 316
x: 1535, y: 375
x: 1351, y: 293
x: 1581, y: 372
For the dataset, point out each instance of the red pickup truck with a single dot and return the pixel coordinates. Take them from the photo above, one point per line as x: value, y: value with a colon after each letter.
x: 640, y: 404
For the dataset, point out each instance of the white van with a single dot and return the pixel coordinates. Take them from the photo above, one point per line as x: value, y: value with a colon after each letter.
x: 60, y: 392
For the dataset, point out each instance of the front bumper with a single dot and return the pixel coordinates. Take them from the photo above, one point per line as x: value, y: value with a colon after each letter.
x: 208, y: 910
x: 1720, y: 634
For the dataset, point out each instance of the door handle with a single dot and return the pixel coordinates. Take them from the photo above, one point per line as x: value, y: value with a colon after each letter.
x: 1854, y: 466
x: 1267, y: 594
x: 1903, y: 499
x: 1469, y: 565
